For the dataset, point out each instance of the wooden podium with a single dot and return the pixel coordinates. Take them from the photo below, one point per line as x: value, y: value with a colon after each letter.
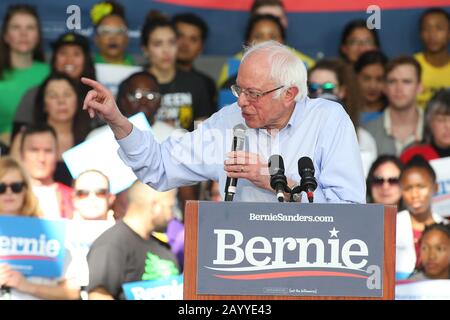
x: 191, y: 251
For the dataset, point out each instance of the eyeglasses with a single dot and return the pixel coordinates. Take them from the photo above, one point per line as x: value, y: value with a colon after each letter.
x: 250, y: 94
x: 326, y: 87
x: 379, y: 181
x: 143, y: 94
x: 358, y: 42
x: 82, y: 194
x: 110, y: 30
x: 16, y: 187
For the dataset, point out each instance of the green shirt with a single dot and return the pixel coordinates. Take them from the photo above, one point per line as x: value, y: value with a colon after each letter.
x: 13, y: 86
x: 127, y: 60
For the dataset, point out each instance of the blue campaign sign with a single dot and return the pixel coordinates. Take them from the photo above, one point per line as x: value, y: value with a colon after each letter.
x: 33, y: 246
x: 170, y: 288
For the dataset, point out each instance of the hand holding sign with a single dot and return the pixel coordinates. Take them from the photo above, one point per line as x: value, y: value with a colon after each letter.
x: 100, y: 101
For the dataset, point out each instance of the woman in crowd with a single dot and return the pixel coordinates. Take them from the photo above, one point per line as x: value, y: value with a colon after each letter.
x: 383, y: 181
x: 370, y: 72
x: 434, y: 253
x: 357, y: 39
x: 333, y: 79
x: 418, y: 185
x: 17, y: 199
x: 436, y: 142
x: 16, y: 193
x: 21, y: 61
x: 59, y: 104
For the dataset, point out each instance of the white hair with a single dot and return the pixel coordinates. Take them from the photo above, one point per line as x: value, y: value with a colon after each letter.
x: 285, y: 67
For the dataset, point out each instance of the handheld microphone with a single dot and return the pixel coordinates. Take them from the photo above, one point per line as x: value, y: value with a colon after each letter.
x: 278, y: 180
x: 238, y: 145
x: 308, y: 183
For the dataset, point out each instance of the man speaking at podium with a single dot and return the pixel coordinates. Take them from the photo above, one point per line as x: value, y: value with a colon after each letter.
x: 272, y: 102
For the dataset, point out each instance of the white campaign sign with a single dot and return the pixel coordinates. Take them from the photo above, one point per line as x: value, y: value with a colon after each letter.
x: 100, y: 153
x: 423, y: 290
x: 111, y: 75
x: 441, y: 201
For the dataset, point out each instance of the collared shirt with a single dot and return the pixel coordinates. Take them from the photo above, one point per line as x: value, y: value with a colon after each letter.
x: 416, y: 136
x: 318, y: 128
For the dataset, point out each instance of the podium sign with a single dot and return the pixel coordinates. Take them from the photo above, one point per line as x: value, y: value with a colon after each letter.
x: 290, y: 249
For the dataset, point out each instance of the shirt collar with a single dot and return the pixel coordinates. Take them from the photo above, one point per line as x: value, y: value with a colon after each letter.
x: 387, y: 123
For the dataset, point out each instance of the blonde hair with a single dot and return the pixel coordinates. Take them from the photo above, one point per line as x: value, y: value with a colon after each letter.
x: 30, y: 207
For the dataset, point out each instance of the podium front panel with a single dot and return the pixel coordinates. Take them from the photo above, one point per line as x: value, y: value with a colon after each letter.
x: 290, y: 249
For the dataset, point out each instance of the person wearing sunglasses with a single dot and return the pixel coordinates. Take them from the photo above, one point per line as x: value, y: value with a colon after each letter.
x: 17, y: 199
x: 91, y: 197
x: 383, y: 181
x: 16, y: 194
x: 334, y: 80
x: 271, y: 88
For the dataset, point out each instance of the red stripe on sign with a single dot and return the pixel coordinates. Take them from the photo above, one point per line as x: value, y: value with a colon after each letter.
x: 290, y: 274
x: 312, y: 5
x: 26, y: 258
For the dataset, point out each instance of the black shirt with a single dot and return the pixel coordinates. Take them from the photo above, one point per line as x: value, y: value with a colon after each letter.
x: 184, y: 100
x: 120, y: 256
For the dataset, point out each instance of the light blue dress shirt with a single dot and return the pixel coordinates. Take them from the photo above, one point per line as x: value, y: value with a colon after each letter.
x: 318, y: 128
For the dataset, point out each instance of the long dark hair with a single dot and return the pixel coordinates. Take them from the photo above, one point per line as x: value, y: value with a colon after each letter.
x: 5, y: 50
x: 350, y: 27
x: 154, y: 20
x: 80, y: 122
x: 382, y: 159
x: 262, y: 17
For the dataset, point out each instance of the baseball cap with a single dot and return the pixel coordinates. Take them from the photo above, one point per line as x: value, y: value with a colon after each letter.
x: 71, y: 38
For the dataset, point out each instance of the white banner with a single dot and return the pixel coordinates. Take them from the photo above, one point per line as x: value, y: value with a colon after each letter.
x: 441, y: 200
x: 423, y: 290
x: 111, y: 75
x: 100, y: 152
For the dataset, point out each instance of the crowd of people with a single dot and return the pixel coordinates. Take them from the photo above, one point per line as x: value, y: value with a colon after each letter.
x: 398, y: 108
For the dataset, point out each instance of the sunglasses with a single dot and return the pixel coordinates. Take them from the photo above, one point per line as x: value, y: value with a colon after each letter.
x: 15, y: 187
x: 379, y: 181
x: 326, y: 87
x: 82, y: 194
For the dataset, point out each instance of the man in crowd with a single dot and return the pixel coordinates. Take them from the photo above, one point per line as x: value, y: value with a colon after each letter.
x: 39, y: 155
x: 128, y: 251
x: 402, y: 122
x: 192, y: 33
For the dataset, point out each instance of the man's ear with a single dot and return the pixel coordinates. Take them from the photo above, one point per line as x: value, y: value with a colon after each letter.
x: 111, y: 199
x: 290, y: 94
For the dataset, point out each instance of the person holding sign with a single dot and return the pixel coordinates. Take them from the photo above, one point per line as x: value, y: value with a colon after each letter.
x: 17, y: 199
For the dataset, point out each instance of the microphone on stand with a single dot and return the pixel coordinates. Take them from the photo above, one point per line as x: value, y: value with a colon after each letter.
x: 307, y: 183
x: 278, y: 180
x: 238, y: 145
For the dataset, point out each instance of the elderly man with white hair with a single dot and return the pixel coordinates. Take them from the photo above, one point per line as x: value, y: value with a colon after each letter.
x: 272, y: 102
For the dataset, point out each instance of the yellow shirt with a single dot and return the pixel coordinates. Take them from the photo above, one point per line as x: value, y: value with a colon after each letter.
x: 433, y: 79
